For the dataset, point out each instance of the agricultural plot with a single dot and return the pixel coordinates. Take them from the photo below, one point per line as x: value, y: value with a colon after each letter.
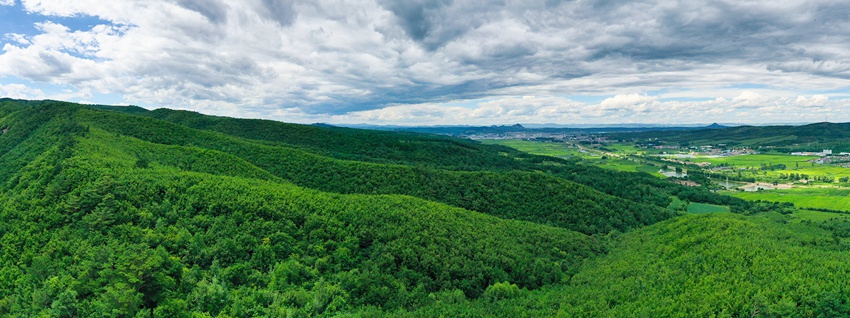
x: 755, y: 161
x: 793, y: 165
x: 623, y: 148
x: 554, y: 149
x: 817, y: 170
x: 561, y: 150
x: 816, y: 216
x: 803, y: 198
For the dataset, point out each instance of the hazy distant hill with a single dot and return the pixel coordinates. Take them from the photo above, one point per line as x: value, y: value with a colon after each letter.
x: 518, y: 128
x: 835, y: 135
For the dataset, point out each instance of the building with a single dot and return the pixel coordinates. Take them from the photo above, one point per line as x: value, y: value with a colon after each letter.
x: 824, y: 153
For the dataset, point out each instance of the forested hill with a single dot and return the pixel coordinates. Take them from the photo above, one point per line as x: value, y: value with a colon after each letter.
x: 783, y: 136
x: 350, y: 144
x: 122, y: 214
x: 432, y: 151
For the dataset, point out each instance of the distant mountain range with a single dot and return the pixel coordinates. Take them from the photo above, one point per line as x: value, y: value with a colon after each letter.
x: 534, y: 128
x: 809, y: 137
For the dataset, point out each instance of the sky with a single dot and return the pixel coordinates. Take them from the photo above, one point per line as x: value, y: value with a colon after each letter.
x: 442, y: 62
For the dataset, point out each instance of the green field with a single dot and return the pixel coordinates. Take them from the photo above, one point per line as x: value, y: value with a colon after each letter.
x: 817, y: 170
x: 562, y: 150
x: 820, y: 198
x: 626, y: 165
x: 756, y: 161
x: 703, y: 208
x: 624, y: 148
x: 793, y: 164
x: 816, y: 216
x: 554, y: 149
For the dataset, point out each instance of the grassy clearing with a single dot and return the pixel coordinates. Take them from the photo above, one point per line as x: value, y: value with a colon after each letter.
x: 703, y: 208
x: 820, y: 198
x: 675, y: 204
x: 653, y: 170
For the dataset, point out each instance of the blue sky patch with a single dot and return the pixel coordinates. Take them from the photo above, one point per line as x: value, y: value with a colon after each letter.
x: 15, y: 19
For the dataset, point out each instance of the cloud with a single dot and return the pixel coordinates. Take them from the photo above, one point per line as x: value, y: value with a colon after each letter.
x: 381, y: 60
x: 215, y: 11
x: 629, y: 108
x: 280, y: 11
x: 20, y: 91
x: 630, y: 101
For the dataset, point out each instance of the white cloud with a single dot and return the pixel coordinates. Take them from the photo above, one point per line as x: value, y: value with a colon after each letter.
x: 630, y: 101
x: 19, y: 38
x: 402, y: 62
x: 633, y: 108
x: 7, y: 2
x: 20, y: 91
x: 811, y: 101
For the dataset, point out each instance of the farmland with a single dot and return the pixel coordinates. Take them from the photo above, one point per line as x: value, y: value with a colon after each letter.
x: 554, y: 149
x: 755, y: 161
x: 591, y: 155
x: 817, y: 216
x: 837, y: 199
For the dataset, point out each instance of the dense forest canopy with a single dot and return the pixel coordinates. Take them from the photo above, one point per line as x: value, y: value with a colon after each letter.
x: 124, y: 212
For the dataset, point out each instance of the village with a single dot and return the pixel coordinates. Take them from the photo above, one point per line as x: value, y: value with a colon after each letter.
x: 826, y: 156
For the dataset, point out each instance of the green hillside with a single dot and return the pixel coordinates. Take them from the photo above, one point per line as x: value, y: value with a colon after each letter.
x: 101, y: 223
x: 421, y: 151
x: 525, y: 195
x: 350, y: 144
x: 713, y: 265
x: 124, y: 212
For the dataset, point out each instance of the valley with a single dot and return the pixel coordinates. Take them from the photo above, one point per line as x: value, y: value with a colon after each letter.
x: 817, y: 180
